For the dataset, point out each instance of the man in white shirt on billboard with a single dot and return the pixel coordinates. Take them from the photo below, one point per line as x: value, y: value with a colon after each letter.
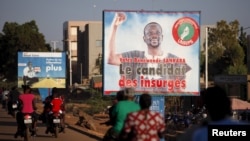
x: 29, y: 74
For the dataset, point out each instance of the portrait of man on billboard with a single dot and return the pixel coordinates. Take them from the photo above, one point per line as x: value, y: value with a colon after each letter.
x: 29, y: 74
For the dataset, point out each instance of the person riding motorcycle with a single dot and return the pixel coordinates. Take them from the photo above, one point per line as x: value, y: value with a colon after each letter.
x: 54, y: 104
x: 46, y: 108
x: 4, y: 99
x: 13, y: 99
x: 27, y: 106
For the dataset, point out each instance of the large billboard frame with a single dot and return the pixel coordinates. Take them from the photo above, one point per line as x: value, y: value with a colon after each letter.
x: 128, y: 62
x: 42, y: 69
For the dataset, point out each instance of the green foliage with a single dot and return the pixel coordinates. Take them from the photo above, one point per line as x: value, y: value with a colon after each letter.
x: 239, y: 69
x: 225, y: 53
x: 237, y: 55
x: 243, y: 42
x: 15, y: 37
x: 98, y: 103
x: 8, y: 85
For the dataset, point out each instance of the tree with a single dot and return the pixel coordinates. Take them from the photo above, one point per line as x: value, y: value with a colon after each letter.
x: 15, y: 37
x: 225, y: 54
x: 243, y: 42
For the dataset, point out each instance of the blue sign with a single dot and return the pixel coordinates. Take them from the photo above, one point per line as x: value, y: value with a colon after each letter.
x: 158, y: 103
x: 42, y: 69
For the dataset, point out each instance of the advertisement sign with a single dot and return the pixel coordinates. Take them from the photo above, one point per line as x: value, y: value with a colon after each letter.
x: 42, y: 69
x: 158, y: 104
x: 152, y: 51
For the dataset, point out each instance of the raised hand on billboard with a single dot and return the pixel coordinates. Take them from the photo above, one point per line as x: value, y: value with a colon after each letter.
x: 119, y: 18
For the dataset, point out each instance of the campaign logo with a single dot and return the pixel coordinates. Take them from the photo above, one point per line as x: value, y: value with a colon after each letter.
x: 185, y: 31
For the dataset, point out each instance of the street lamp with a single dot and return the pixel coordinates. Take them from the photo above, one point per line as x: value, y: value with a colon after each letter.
x: 54, y: 46
x: 70, y: 65
x: 70, y: 61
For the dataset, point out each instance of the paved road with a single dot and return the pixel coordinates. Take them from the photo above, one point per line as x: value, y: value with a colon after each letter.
x: 8, y: 128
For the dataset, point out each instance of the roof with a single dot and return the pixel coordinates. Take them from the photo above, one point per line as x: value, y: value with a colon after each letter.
x: 238, y: 104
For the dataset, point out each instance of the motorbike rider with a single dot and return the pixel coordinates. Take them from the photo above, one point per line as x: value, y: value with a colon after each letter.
x: 54, y: 104
x: 5, y: 94
x: 27, y: 106
x: 13, y: 99
x: 46, y: 110
x: 119, y: 97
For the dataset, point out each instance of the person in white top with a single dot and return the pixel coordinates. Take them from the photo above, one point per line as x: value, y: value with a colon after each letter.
x: 5, y: 94
x: 29, y: 74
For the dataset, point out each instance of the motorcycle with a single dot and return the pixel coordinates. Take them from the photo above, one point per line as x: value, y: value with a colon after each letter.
x: 14, y: 108
x: 25, y: 126
x: 200, y: 116
x: 27, y: 129
x: 55, y: 120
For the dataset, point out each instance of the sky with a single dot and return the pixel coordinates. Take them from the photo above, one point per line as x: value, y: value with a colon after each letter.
x: 51, y: 14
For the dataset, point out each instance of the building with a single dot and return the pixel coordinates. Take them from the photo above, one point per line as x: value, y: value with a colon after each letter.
x: 83, y: 39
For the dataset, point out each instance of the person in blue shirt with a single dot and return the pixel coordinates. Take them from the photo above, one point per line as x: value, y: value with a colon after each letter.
x: 219, y: 109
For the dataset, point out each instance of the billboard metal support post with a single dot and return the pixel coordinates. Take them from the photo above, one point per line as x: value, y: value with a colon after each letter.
x: 206, y: 60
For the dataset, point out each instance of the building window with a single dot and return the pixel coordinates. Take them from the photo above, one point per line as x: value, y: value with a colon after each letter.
x: 73, y: 45
x: 98, y: 43
x: 73, y: 31
x: 74, y: 48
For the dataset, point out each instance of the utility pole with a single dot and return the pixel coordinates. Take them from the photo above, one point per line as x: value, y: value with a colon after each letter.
x: 54, y: 45
x: 70, y: 60
x: 206, y: 59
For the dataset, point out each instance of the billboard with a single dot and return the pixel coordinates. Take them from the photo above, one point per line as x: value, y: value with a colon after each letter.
x: 42, y: 69
x: 153, y: 51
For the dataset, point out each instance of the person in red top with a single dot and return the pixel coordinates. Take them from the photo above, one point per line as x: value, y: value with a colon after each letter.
x: 56, y: 104
x: 27, y: 106
x: 143, y: 125
x: 56, y: 107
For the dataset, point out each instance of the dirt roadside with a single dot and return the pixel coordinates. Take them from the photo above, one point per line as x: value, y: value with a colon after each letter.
x: 72, y: 121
